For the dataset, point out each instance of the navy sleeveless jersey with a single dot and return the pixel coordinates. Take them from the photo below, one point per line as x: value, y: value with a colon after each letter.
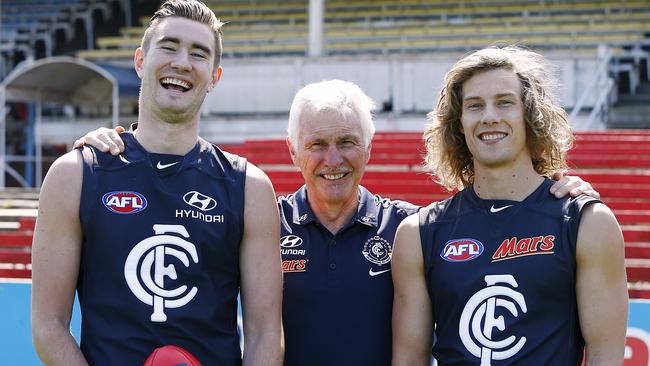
x: 501, y: 277
x: 160, y: 253
x: 338, y: 292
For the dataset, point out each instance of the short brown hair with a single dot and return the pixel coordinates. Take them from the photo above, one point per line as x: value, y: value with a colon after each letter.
x: 192, y: 10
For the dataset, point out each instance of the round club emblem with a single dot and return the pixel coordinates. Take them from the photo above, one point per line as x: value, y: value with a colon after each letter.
x: 377, y: 250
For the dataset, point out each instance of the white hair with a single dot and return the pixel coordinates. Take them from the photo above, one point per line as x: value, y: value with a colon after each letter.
x: 342, y: 97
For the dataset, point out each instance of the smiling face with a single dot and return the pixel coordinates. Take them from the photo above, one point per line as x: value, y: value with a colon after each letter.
x: 493, y: 119
x: 177, y: 70
x: 332, y: 156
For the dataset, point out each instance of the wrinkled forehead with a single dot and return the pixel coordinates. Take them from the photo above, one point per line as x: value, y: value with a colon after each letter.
x: 329, y: 123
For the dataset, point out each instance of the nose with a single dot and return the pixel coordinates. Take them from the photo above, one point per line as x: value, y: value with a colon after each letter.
x: 490, y: 115
x: 333, y: 157
x: 181, y: 61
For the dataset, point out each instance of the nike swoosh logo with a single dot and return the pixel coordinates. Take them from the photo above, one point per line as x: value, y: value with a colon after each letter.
x: 124, y: 159
x: 163, y: 166
x: 373, y: 273
x: 494, y: 209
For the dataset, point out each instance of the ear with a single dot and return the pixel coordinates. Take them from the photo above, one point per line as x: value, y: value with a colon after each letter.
x: 292, y: 152
x: 215, y: 78
x: 138, y: 61
x: 368, y: 152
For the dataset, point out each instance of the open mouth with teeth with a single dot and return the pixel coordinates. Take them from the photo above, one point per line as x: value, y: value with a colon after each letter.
x: 336, y: 176
x: 492, y: 136
x: 175, y: 84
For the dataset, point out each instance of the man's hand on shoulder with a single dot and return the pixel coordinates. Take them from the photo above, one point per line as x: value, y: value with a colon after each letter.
x: 103, y: 139
x: 572, y: 185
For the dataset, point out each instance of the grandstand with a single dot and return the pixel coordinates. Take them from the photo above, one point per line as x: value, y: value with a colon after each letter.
x: 397, y: 51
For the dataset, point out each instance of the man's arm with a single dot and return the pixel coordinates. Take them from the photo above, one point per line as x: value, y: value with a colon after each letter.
x: 572, y: 185
x: 261, y: 272
x: 56, y: 251
x: 105, y: 139
x: 412, y: 322
x: 601, y: 286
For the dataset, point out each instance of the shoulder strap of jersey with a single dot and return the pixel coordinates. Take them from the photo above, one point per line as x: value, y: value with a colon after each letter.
x: 573, y: 213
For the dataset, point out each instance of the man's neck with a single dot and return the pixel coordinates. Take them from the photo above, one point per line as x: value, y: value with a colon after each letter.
x: 515, y: 182
x: 166, y: 138
x: 334, y: 216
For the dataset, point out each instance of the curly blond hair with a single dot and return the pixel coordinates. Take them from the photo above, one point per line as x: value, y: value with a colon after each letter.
x: 548, y: 133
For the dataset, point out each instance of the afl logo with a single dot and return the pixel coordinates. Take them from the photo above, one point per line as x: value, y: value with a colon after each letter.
x: 290, y: 241
x: 124, y: 202
x: 199, y: 200
x: 377, y: 250
x: 461, y: 250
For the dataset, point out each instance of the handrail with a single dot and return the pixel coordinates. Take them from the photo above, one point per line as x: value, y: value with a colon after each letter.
x: 601, y: 70
x: 600, y: 103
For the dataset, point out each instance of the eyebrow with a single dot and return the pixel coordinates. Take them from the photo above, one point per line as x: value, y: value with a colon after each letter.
x: 178, y: 41
x: 500, y: 95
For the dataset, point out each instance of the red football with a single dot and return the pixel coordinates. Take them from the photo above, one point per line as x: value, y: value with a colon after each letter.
x: 171, y: 356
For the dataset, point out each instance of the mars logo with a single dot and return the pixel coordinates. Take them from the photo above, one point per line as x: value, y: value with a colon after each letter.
x: 124, y: 202
x: 461, y: 250
x: 294, y: 265
x: 199, y: 200
x: 145, y: 264
x: 477, y: 320
x: 377, y: 250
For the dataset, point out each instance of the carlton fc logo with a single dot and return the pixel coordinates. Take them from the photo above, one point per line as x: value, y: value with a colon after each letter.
x: 377, y: 250
x: 199, y: 200
x: 145, y: 269
x: 490, y: 308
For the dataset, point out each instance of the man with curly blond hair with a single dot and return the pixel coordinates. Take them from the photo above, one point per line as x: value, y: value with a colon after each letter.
x: 503, y: 273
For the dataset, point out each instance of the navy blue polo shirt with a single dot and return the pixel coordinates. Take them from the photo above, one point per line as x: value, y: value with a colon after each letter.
x: 338, y: 291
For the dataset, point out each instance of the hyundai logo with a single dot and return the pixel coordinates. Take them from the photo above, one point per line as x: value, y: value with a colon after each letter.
x: 290, y: 241
x: 200, y: 201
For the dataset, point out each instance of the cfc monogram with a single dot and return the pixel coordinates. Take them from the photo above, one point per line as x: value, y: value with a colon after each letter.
x: 478, y: 320
x: 145, y: 264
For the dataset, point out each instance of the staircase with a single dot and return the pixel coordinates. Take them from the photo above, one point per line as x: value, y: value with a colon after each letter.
x: 18, y: 210
x: 615, y: 162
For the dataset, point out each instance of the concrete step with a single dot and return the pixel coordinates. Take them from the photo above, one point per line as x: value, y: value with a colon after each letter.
x: 636, y: 233
x: 639, y: 289
x: 637, y: 269
x: 637, y: 250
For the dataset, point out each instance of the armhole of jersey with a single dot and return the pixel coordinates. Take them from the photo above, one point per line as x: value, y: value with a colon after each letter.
x: 89, y: 163
x: 574, y: 212
x: 244, y: 164
x: 425, y: 234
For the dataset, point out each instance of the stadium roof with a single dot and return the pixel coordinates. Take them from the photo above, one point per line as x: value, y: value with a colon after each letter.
x: 65, y: 80
x: 69, y: 80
